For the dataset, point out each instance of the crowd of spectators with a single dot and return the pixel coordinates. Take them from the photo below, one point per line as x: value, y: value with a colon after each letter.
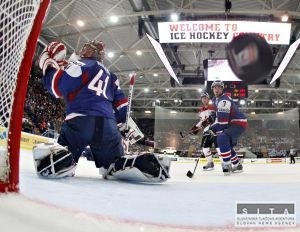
x: 41, y: 111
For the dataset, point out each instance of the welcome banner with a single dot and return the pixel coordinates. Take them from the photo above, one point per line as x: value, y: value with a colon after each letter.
x: 221, y: 31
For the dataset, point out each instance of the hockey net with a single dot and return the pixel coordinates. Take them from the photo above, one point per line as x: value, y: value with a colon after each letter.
x: 20, y: 26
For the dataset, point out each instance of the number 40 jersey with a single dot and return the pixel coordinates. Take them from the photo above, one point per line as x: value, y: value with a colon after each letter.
x: 88, y: 89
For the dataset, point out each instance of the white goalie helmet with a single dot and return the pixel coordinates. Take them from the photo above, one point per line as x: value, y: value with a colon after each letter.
x: 217, y: 83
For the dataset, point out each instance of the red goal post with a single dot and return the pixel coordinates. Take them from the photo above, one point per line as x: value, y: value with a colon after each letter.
x: 20, y: 26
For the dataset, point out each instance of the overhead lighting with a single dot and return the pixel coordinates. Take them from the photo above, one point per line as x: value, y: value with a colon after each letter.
x: 147, y: 112
x: 155, y: 74
x: 199, y: 90
x: 280, y: 112
x: 242, y: 102
x: 167, y: 90
x: 114, y: 19
x: 256, y: 90
x: 289, y: 91
x: 284, y: 17
x: 174, y: 17
x: 173, y: 112
x: 146, y: 90
x: 80, y: 23
x: 139, y: 52
x: 110, y: 54
x: 252, y: 112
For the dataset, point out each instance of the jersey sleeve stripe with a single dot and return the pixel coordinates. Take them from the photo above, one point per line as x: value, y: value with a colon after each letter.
x: 54, y: 84
x: 121, y: 103
x: 241, y: 122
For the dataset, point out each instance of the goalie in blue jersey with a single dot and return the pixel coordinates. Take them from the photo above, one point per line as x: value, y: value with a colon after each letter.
x: 95, y: 104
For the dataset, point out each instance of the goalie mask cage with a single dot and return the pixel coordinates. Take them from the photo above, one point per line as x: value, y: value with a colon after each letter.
x: 20, y: 26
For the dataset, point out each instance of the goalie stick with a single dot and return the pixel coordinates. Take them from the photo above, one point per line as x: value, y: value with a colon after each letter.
x: 131, y: 83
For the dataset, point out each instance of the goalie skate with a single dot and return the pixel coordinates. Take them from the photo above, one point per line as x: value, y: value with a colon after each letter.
x: 209, y: 166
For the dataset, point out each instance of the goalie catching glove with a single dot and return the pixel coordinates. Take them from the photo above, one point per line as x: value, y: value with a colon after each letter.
x: 140, y: 168
x: 54, y: 56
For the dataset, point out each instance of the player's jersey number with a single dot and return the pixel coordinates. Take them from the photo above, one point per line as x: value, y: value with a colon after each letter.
x: 224, y: 106
x: 98, y: 85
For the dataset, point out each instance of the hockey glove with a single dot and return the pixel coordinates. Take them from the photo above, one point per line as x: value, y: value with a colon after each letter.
x: 207, y: 122
x: 57, y: 51
x: 53, y: 56
x: 195, y: 130
x: 128, y: 134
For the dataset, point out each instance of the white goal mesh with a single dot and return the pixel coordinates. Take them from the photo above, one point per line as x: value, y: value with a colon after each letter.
x: 17, y: 19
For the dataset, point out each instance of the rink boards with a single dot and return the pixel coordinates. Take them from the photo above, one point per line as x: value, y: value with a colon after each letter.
x: 247, y: 160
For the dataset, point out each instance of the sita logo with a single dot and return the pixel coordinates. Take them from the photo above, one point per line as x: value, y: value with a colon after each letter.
x: 3, y: 135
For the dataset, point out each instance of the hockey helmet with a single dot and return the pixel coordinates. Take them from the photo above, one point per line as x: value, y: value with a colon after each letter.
x: 217, y: 83
x: 93, y: 49
x: 204, y: 94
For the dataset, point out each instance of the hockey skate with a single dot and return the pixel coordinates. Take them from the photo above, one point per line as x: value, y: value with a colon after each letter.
x: 227, y: 168
x: 209, y: 166
x: 237, y: 168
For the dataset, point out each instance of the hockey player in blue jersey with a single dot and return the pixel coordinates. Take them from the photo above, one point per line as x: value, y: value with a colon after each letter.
x: 229, y: 125
x: 95, y: 104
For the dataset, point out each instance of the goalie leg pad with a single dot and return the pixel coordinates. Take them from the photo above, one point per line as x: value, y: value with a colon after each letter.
x: 140, y: 168
x: 53, y: 161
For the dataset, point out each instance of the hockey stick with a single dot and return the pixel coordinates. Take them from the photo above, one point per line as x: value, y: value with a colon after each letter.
x: 189, y: 132
x: 131, y: 83
x: 191, y: 174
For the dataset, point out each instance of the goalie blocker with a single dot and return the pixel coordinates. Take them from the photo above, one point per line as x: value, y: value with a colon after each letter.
x: 55, y: 161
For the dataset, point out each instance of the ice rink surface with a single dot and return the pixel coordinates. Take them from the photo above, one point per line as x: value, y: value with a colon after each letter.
x: 88, y: 203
